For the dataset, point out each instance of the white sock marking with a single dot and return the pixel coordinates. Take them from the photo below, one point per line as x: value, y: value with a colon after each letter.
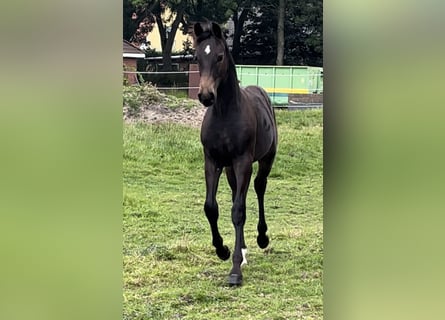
x: 207, y: 49
x: 244, y: 253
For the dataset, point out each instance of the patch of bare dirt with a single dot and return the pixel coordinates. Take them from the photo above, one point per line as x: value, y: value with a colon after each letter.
x: 158, y: 113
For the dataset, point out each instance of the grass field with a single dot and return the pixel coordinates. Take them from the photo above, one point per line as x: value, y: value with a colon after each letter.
x: 170, y: 268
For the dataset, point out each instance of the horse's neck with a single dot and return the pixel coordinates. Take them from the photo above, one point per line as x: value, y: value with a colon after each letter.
x: 229, y: 93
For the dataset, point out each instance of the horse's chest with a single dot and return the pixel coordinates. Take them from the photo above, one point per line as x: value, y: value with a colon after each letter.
x: 223, y: 144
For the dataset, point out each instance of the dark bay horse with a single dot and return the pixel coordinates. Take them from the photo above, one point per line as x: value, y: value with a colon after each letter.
x: 238, y: 129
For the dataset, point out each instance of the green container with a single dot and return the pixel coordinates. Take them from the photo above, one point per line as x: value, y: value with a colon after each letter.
x: 280, y: 81
x: 315, y: 80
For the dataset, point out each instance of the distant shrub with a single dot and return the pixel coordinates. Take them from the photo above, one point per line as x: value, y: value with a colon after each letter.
x: 137, y: 96
x: 134, y: 97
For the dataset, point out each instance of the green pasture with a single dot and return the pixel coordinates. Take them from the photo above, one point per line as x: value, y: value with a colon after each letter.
x: 170, y: 268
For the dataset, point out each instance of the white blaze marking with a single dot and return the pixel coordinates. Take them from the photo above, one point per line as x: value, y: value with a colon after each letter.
x: 244, y: 253
x: 207, y: 49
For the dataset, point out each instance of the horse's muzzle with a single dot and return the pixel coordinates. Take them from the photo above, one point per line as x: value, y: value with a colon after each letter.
x: 207, y: 99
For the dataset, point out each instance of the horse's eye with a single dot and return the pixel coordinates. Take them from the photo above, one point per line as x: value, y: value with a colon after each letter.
x: 220, y: 57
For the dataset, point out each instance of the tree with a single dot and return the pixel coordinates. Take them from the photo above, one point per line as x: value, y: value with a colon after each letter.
x: 174, y: 15
x: 303, y: 37
x: 136, y: 23
x: 259, y: 39
x: 218, y: 11
x: 280, y: 32
x: 305, y: 46
x: 241, y: 10
x: 257, y: 35
x: 167, y: 33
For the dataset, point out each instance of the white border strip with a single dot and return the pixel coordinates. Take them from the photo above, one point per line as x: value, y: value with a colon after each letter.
x: 134, y: 55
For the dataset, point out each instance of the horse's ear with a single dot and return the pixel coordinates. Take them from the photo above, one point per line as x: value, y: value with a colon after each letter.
x: 216, y: 29
x: 197, y: 28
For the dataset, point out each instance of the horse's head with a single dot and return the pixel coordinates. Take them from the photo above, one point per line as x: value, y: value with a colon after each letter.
x: 213, y: 60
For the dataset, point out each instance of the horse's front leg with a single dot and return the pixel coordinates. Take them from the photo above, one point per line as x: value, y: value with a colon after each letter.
x: 243, y: 171
x: 212, y: 174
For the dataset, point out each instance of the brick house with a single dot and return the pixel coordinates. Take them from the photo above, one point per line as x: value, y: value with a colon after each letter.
x: 131, y: 55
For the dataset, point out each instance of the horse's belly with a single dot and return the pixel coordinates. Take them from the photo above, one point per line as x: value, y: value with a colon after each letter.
x: 263, y: 147
x: 266, y: 135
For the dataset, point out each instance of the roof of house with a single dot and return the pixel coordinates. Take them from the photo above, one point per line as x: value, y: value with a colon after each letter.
x: 131, y: 51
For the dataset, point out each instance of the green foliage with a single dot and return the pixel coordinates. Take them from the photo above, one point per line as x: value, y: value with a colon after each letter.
x: 129, y: 27
x: 214, y: 10
x: 187, y: 48
x: 136, y: 23
x: 304, y: 38
x: 170, y: 268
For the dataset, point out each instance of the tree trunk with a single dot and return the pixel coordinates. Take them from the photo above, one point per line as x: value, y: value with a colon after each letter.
x: 167, y: 42
x: 238, y: 30
x: 280, y: 33
x: 161, y: 29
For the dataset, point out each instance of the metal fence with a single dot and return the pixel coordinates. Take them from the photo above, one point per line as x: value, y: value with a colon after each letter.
x: 280, y: 82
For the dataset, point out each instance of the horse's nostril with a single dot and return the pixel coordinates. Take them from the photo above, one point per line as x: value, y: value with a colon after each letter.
x: 207, y: 102
x: 206, y: 99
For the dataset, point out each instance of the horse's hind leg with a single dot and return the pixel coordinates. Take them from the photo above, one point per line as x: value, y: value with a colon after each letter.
x: 212, y: 174
x: 260, y: 183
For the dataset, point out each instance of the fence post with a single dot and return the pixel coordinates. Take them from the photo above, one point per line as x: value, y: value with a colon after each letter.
x: 193, y: 81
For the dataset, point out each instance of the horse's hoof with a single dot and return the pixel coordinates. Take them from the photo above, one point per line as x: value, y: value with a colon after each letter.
x: 223, y: 253
x: 263, y: 241
x: 235, y: 279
